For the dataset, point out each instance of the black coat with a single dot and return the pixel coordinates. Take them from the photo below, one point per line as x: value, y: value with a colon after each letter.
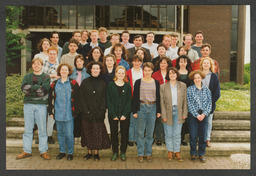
x: 92, y: 99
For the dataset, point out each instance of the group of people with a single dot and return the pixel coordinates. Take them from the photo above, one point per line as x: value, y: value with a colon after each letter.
x: 148, y: 92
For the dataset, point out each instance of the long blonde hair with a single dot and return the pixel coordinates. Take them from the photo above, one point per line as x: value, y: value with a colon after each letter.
x: 211, y: 62
x: 120, y: 67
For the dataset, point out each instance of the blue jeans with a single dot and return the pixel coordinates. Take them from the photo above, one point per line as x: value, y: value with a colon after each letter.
x: 197, y: 129
x: 173, y: 133
x: 65, y: 135
x: 146, y: 121
x: 132, y: 128
x: 35, y: 113
x: 209, y: 129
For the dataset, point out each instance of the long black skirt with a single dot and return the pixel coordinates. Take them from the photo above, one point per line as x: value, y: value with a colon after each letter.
x: 94, y: 135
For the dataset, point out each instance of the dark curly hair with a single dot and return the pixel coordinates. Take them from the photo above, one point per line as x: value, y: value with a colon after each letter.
x: 124, y: 51
x: 188, y: 67
x: 101, y: 54
x: 161, y: 59
x: 89, y: 67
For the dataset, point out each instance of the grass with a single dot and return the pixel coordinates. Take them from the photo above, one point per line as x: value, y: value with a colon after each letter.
x: 234, y: 100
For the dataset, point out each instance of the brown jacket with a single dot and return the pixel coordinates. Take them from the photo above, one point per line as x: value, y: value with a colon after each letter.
x: 166, y: 101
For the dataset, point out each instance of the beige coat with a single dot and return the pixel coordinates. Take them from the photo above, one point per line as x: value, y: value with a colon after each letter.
x: 166, y: 101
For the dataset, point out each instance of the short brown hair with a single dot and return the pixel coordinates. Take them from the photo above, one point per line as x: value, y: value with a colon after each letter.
x: 125, y: 31
x: 199, y: 32
x: 174, y: 35
x: 37, y: 59
x: 138, y: 36
x: 73, y: 41
x: 206, y: 45
x: 64, y: 64
x: 39, y: 46
x: 192, y: 74
x: 187, y: 35
x: 166, y: 35
x: 52, y: 48
x: 137, y: 58
x: 115, y: 34
x: 79, y: 56
x: 120, y: 67
x: 161, y: 45
x: 149, y: 65
x: 174, y: 70
x: 73, y: 33
x: 150, y: 33
x: 103, y: 29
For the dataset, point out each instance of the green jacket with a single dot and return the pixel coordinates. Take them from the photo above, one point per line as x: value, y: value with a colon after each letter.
x: 118, y: 105
x: 36, y: 88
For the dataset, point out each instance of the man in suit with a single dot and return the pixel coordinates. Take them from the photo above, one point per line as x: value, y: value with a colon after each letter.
x: 138, y: 41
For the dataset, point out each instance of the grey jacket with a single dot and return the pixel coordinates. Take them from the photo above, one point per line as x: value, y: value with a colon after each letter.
x: 166, y: 101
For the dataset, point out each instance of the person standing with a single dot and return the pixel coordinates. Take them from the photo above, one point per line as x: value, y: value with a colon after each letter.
x: 119, y: 109
x: 78, y: 74
x: 146, y: 107
x: 63, y: 108
x: 212, y: 82
x: 120, y: 52
x: 125, y: 40
x: 174, y: 111
x: 103, y: 35
x: 161, y: 49
x: 150, y: 45
x: 160, y: 76
x: 55, y: 37
x: 70, y: 57
x: 133, y: 75
x: 75, y: 35
x: 199, y: 108
x: 35, y: 86
x: 92, y: 104
x: 192, y: 54
x: 50, y: 68
x: 199, y: 38
x: 43, y: 47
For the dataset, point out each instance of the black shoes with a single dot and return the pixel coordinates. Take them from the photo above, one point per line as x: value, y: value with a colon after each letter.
x: 202, y: 159
x: 184, y: 143
x: 88, y: 156
x: 70, y: 157
x: 130, y: 143
x: 193, y: 157
x: 158, y: 143
x: 60, y: 156
x: 96, y: 157
x: 51, y: 140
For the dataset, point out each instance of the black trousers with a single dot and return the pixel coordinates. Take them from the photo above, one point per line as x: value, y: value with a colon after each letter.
x: 185, y: 129
x: 124, y: 130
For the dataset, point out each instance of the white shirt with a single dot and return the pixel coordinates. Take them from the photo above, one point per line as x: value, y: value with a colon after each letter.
x: 128, y: 45
x: 92, y: 45
x: 136, y: 75
x: 171, y: 53
x: 152, y: 48
x: 107, y: 51
x: 42, y: 56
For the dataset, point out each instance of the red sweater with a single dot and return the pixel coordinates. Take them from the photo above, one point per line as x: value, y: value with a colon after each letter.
x: 158, y: 76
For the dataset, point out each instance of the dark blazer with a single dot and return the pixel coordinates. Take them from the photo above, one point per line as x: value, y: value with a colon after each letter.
x: 118, y: 104
x: 92, y: 99
x: 84, y: 50
x: 131, y: 52
x: 136, y: 97
x: 214, y: 87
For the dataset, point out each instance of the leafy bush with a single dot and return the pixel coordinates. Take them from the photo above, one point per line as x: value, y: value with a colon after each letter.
x: 14, y: 96
x: 234, y: 86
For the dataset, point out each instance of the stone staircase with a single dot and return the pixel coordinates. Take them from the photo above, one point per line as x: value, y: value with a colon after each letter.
x: 231, y: 134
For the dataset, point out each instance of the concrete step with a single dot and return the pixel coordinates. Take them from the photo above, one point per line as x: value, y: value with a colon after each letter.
x: 216, y: 149
x: 217, y: 135
x: 218, y: 115
x: 231, y: 124
x: 230, y: 136
x: 227, y: 115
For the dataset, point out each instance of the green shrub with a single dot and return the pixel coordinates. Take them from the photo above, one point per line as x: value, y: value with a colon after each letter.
x: 14, y: 96
x: 234, y: 86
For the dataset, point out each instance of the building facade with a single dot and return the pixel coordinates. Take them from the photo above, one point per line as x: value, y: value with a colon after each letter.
x: 222, y: 26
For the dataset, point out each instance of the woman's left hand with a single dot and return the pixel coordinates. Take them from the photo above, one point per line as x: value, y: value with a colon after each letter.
x: 158, y: 115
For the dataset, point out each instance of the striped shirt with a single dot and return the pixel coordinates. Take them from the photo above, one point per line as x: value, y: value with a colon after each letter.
x: 147, y: 91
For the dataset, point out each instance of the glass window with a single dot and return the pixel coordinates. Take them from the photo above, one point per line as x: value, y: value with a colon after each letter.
x: 117, y: 16
x: 69, y: 16
x: 85, y: 17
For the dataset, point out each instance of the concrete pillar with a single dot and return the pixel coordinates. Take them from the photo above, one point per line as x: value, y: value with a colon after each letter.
x: 241, y: 44
x: 23, y: 57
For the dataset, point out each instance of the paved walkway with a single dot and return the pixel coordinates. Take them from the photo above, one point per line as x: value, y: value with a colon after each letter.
x: 241, y: 161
